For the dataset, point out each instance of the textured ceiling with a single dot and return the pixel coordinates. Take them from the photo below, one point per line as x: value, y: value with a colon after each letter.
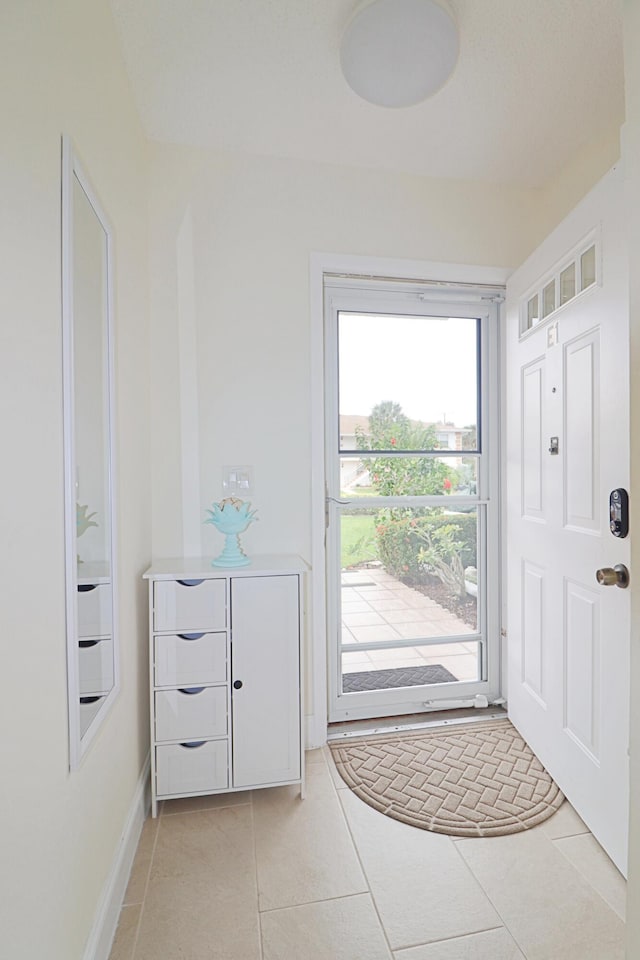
x: 535, y: 81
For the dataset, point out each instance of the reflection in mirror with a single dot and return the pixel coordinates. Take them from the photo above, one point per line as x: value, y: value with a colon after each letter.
x: 88, y: 395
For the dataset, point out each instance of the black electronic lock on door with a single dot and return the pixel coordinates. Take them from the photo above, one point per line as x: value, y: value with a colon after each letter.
x: 619, y: 512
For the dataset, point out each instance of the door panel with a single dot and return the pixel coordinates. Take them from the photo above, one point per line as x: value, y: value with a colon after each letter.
x: 581, y: 430
x: 568, y: 638
x: 582, y: 666
x: 531, y: 452
x: 265, y: 661
x: 532, y: 629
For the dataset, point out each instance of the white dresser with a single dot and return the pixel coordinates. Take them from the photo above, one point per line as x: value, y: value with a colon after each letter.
x: 225, y: 676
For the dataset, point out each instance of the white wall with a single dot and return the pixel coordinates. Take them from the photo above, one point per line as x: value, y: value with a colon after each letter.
x: 60, y: 71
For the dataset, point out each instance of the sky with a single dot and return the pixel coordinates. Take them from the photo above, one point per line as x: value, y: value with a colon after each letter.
x: 426, y: 364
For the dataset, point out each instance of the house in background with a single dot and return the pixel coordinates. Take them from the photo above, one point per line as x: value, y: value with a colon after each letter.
x: 218, y: 196
x: 353, y: 471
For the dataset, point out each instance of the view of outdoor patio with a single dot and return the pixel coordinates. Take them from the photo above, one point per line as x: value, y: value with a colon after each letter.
x: 408, y: 573
x: 377, y: 607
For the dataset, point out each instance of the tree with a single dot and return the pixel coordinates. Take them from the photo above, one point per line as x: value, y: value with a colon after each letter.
x: 390, y: 429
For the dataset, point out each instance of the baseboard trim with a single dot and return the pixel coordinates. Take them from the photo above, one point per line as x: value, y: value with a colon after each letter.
x: 108, y: 912
x: 315, y: 732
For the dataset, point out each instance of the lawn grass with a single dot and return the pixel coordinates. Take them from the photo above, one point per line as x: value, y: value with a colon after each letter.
x: 358, y: 540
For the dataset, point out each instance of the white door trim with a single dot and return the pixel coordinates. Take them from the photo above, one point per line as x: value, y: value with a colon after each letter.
x: 320, y: 264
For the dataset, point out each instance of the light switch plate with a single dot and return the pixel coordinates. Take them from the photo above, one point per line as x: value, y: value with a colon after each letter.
x: 237, y: 481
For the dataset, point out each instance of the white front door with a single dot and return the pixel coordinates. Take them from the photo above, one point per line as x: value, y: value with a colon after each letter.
x: 567, y: 449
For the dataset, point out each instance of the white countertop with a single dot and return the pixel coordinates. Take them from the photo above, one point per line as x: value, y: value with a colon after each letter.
x: 200, y: 568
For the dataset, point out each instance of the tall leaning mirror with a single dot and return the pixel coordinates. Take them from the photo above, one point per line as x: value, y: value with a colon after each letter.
x: 92, y: 648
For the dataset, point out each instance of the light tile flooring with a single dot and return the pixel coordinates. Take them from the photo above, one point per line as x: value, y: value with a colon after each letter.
x: 376, y: 607
x: 266, y: 876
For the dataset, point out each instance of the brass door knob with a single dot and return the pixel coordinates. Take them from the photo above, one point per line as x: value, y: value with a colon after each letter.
x: 610, y: 576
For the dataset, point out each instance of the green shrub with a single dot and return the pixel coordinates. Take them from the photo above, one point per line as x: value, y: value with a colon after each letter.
x: 412, y: 544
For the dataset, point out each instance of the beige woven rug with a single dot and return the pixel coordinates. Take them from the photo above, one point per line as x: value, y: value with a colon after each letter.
x: 473, y: 780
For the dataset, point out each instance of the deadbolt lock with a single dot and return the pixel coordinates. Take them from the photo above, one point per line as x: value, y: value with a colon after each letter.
x: 613, y: 576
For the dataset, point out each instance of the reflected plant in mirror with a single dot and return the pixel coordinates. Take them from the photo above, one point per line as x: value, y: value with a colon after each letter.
x: 92, y: 652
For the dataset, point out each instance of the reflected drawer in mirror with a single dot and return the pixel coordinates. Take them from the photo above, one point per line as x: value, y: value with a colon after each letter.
x: 190, y: 658
x: 184, y: 605
x: 89, y: 710
x: 191, y: 713
x: 94, y: 609
x: 196, y: 767
x: 95, y: 666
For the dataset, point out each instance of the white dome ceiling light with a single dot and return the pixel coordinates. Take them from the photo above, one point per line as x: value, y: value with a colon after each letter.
x: 396, y: 53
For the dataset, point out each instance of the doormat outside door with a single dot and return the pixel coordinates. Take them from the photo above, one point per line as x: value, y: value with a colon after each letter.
x: 472, y: 780
x: 415, y: 676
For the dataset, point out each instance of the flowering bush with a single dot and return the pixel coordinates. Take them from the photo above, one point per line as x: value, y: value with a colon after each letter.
x: 391, y: 430
x: 436, y: 543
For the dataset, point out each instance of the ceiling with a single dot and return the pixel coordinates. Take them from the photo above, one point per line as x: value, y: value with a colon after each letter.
x: 536, y: 80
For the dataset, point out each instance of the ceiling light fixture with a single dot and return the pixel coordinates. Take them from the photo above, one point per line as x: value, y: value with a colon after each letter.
x: 396, y: 53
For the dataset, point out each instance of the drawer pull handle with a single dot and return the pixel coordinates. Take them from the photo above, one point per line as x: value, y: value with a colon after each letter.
x: 83, y: 644
x: 89, y: 699
x: 190, y: 583
x: 194, y: 745
x: 191, y: 690
x: 237, y: 684
x: 190, y: 636
x: 86, y: 587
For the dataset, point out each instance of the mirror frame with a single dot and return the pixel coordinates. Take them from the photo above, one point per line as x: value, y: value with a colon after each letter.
x: 72, y: 171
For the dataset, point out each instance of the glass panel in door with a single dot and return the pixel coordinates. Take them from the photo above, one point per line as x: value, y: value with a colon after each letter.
x: 407, y: 522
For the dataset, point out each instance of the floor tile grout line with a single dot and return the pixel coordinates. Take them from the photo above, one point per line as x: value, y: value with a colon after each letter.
x: 455, y: 843
x: 136, y: 938
x: 310, y: 903
x: 255, y: 862
x: 364, y: 872
x: 457, y: 936
x: 567, y: 836
x: 222, y: 806
x: 584, y: 876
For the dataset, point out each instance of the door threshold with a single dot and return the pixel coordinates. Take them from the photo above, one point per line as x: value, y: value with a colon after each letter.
x: 360, y: 728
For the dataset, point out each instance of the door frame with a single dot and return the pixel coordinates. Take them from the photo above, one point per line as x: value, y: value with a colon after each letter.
x: 429, y: 272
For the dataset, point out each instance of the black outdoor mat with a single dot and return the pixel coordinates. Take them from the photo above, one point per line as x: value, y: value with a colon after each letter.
x: 398, y: 677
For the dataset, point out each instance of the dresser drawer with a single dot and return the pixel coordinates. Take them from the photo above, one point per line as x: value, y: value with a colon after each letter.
x: 190, y: 659
x: 95, y: 666
x: 191, y: 713
x: 195, y: 767
x: 94, y: 609
x: 189, y: 605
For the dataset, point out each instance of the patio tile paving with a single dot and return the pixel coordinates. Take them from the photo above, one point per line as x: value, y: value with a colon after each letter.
x: 355, y: 606
x: 464, y: 668
x: 374, y: 593
x: 386, y: 606
x: 366, y: 619
x: 376, y: 608
x: 406, y: 615
x: 375, y: 634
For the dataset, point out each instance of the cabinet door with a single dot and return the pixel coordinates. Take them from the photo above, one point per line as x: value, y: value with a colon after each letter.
x: 265, y: 660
